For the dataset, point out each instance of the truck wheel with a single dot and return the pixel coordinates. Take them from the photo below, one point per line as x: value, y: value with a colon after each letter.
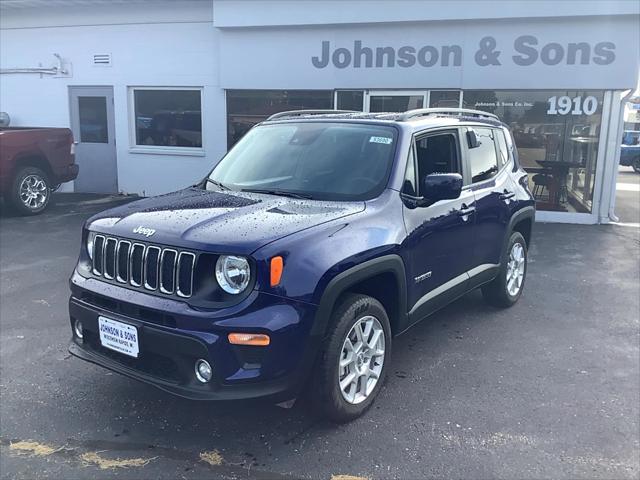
x: 353, y: 362
x: 636, y: 165
x: 506, y: 288
x: 30, y: 191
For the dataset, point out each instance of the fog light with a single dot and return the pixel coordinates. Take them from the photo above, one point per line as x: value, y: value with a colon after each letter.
x: 203, y: 371
x: 77, y: 328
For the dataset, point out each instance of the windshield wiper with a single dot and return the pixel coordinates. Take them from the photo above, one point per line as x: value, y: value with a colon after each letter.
x: 282, y: 193
x: 218, y: 184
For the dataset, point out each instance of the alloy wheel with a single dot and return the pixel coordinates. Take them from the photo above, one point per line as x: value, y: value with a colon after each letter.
x: 33, y: 192
x: 515, y: 269
x: 361, y: 360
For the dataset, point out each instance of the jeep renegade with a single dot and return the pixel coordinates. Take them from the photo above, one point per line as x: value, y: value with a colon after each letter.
x: 315, y: 241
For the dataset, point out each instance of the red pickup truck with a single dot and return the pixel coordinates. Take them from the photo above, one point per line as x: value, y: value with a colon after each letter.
x: 34, y: 161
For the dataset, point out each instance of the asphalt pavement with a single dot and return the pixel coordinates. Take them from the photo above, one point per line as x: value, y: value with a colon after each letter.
x: 547, y: 389
x: 627, y: 207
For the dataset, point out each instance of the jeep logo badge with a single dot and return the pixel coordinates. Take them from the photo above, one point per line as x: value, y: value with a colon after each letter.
x: 147, y: 232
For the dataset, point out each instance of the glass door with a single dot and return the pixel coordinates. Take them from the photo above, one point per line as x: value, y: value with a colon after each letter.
x: 395, y: 101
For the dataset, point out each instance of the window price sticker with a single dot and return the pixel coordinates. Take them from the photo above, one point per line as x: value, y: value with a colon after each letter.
x: 383, y: 140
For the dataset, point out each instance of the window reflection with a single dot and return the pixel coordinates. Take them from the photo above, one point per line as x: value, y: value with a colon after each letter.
x: 556, y: 133
x: 168, y: 118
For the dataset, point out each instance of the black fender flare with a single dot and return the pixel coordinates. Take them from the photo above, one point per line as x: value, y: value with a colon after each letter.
x: 528, y: 212
x: 343, y: 281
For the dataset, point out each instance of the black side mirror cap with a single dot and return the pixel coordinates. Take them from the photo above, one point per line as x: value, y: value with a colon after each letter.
x: 472, y: 139
x: 442, y: 186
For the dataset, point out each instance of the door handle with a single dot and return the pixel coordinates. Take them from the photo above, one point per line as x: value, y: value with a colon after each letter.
x: 464, y: 211
x: 507, y: 195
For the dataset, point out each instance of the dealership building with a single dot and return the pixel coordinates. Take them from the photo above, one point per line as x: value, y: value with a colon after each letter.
x: 156, y: 91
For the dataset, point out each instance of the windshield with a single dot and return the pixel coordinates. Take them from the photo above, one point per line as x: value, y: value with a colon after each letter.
x: 319, y: 160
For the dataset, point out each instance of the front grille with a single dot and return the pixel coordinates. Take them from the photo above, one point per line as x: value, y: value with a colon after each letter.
x: 144, y: 266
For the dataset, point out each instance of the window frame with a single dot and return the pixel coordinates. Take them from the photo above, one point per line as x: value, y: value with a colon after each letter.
x: 412, y: 156
x: 162, y: 149
x: 497, y: 132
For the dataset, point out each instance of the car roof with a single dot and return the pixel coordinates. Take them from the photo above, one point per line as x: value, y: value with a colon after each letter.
x: 412, y: 120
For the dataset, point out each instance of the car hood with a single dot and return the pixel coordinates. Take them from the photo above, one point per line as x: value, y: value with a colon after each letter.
x: 233, y: 222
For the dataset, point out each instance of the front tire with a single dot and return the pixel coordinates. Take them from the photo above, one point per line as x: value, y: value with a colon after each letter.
x: 30, y: 191
x: 505, y: 290
x: 353, y: 362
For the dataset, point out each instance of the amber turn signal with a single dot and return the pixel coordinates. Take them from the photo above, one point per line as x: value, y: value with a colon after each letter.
x: 277, y: 265
x: 255, y: 339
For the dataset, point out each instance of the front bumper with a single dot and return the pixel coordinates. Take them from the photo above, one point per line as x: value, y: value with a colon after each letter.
x: 172, y: 336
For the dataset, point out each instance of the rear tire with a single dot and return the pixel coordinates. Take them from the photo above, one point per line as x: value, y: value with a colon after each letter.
x: 505, y: 290
x: 348, y: 378
x: 636, y: 165
x: 30, y: 191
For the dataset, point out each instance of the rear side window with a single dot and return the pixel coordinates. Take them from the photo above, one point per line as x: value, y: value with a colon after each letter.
x: 483, y: 158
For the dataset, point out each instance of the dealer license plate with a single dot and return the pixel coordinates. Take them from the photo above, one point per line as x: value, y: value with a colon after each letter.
x: 118, y: 336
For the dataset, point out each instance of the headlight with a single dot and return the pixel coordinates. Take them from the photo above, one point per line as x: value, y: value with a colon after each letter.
x: 90, y: 238
x: 233, y: 273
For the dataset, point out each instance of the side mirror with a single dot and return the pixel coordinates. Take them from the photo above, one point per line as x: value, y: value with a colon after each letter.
x: 442, y: 186
x: 472, y: 139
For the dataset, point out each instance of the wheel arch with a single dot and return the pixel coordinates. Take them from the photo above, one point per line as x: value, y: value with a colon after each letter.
x: 368, y: 278
x: 525, y: 227
x: 33, y: 159
x: 522, y: 221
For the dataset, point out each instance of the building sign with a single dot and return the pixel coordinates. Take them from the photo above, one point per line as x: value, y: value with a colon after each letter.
x: 570, y: 53
x: 528, y: 51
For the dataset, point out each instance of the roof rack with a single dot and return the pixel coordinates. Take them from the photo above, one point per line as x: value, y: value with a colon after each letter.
x: 297, y: 113
x: 423, y: 112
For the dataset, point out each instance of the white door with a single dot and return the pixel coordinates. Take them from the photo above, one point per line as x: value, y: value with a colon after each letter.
x: 92, y: 123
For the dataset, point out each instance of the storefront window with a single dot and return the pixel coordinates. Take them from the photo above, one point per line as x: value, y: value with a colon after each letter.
x: 245, y: 108
x: 395, y: 103
x: 167, y: 118
x: 444, y: 99
x: 556, y: 133
x: 350, y: 100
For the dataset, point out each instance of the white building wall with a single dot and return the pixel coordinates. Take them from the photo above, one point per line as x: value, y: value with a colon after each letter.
x: 251, y: 13
x: 182, y: 54
x: 216, y: 44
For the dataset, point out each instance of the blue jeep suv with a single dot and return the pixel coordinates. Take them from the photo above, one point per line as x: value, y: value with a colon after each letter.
x: 315, y: 241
